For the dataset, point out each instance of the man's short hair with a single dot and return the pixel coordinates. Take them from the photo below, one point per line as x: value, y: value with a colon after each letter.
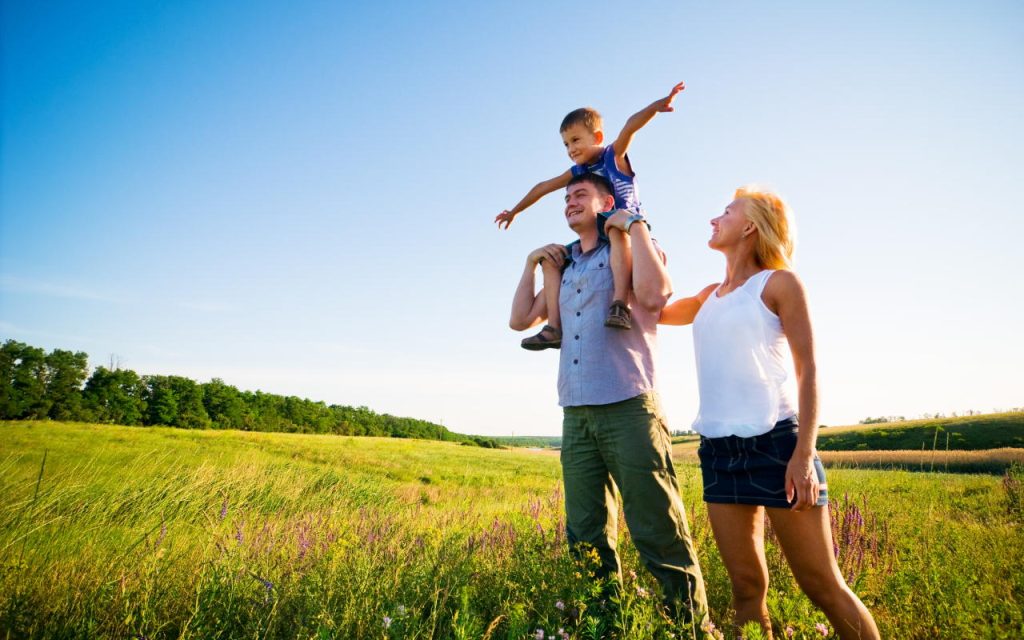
x: 601, y: 183
x: 586, y: 116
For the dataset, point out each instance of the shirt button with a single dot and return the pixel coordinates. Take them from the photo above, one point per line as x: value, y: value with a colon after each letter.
x: 601, y: 265
x: 579, y: 291
x: 575, y: 361
x: 577, y: 337
x: 577, y: 313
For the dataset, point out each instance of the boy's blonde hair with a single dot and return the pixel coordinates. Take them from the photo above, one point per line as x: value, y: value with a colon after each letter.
x: 586, y: 116
x: 776, y: 235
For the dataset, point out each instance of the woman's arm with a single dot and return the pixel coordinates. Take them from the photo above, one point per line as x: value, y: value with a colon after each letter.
x: 784, y: 294
x: 684, y: 310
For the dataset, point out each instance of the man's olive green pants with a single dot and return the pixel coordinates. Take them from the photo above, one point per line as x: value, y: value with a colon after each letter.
x: 627, y: 445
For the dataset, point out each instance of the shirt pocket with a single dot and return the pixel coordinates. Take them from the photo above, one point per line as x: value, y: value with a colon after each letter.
x: 599, y: 278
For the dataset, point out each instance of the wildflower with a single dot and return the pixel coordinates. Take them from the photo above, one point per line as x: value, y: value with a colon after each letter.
x: 640, y: 591
x: 400, y: 610
x: 559, y: 605
x: 539, y: 635
x: 632, y: 574
x: 224, y: 508
x: 790, y: 631
x: 562, y: 634
x: 822, y: 629
x: 387, y: 622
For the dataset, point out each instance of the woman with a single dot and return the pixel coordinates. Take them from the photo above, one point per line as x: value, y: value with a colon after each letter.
x: 754, y: 456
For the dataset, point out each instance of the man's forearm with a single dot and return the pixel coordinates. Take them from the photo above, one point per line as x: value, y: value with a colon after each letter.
x: 651, y: 282
x: 522, y: 301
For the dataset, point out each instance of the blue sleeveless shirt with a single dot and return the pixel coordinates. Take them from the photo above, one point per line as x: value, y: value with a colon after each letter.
x: 625, y: 190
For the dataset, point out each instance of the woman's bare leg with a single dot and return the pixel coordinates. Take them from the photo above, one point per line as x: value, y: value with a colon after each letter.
x: 806, y: 540
x: 739, y: 534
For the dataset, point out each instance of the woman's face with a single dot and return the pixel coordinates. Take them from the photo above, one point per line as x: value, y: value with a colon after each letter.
x: 730, y: 227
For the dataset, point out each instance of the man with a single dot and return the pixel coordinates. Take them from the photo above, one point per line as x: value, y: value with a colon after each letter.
x: 613, y: 434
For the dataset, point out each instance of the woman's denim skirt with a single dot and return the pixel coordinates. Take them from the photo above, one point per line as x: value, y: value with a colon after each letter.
x: 753, y: 470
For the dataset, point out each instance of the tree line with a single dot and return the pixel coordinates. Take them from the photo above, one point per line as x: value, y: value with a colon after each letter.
x: 35, y: 385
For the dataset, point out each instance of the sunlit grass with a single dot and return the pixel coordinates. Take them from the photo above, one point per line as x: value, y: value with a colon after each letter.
x: 164, y: 533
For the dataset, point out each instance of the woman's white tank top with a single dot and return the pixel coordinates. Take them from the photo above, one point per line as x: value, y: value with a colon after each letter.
x: 743, y: 363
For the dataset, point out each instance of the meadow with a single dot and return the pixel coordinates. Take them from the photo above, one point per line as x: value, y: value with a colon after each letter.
x: 166, y: 533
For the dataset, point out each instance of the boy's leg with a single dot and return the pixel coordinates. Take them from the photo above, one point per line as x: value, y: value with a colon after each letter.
x: 622, y: 276
x: 550, y: 337
x: 552, y: 287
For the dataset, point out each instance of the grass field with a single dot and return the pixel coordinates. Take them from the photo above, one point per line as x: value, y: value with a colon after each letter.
x: 161, y: 533
x: 988, y: 431
x: 988, y: 443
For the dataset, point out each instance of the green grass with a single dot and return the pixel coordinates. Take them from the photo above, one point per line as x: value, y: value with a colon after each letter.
x: 163, y: 533
x: 990, y: 431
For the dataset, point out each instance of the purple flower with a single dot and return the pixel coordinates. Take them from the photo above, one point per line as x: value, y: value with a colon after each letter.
x: 539, y: 635
x: 790, y: 632
x: 822, y: 629
x: 224, y: 509
x: 387, y: 622
x: 640, y: 591
x: 400, y: 610
x: 559, y: 605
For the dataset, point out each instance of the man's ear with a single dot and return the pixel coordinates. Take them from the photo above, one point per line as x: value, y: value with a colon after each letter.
x: 599, y: 136
x: 609, y: 203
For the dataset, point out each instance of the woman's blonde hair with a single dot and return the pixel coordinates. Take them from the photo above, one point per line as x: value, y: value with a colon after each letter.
x: 776, y: 235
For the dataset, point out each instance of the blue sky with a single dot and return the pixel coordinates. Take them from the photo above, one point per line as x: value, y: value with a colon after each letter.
x: 298, y: 197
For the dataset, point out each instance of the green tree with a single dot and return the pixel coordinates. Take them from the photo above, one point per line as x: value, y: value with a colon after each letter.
x: 115, y: 397
x: 23, y: 392
x: 189, y: 396
x: 224, y: 405
x: 161, y: 401
x: 66, y: 371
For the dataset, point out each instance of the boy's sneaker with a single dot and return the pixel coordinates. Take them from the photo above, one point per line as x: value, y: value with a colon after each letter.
x: 548, y: 338
x: 619, y: 316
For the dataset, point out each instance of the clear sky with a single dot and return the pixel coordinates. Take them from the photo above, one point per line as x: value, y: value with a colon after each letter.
x: 298, y: 197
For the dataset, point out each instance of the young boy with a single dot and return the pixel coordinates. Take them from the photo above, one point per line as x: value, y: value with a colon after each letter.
x: 583, y: 135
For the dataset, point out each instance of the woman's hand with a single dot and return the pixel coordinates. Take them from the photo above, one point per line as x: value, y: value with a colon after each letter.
x: 802, y: 481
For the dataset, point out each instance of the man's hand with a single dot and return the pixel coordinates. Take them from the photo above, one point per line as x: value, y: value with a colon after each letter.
x: 505, y: 217
x: 556, y: 253
x: 665, y: 104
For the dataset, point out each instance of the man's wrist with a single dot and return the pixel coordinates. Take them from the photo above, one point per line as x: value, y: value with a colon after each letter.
x: 630, y: 219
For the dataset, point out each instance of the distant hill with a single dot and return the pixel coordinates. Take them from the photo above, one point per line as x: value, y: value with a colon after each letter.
x: 541, y: 442
x: 988, y: 431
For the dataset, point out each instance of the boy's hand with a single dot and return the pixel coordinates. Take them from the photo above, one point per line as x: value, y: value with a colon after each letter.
x: 556, y: 253
x: 665, y: 104
x: 505, y: 217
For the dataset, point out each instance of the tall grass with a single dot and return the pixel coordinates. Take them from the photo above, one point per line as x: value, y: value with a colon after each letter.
x: 158, y: 533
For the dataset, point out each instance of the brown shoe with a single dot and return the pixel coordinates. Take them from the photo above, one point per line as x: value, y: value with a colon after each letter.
x: 548, y: 338
x: 619, y: 316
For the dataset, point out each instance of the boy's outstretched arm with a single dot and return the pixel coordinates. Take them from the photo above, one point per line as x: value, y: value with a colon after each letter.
x: 637, y: 122
x: 538, y: 191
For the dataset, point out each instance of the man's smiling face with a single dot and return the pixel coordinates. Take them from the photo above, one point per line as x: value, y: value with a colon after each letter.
x: 582, y: 204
